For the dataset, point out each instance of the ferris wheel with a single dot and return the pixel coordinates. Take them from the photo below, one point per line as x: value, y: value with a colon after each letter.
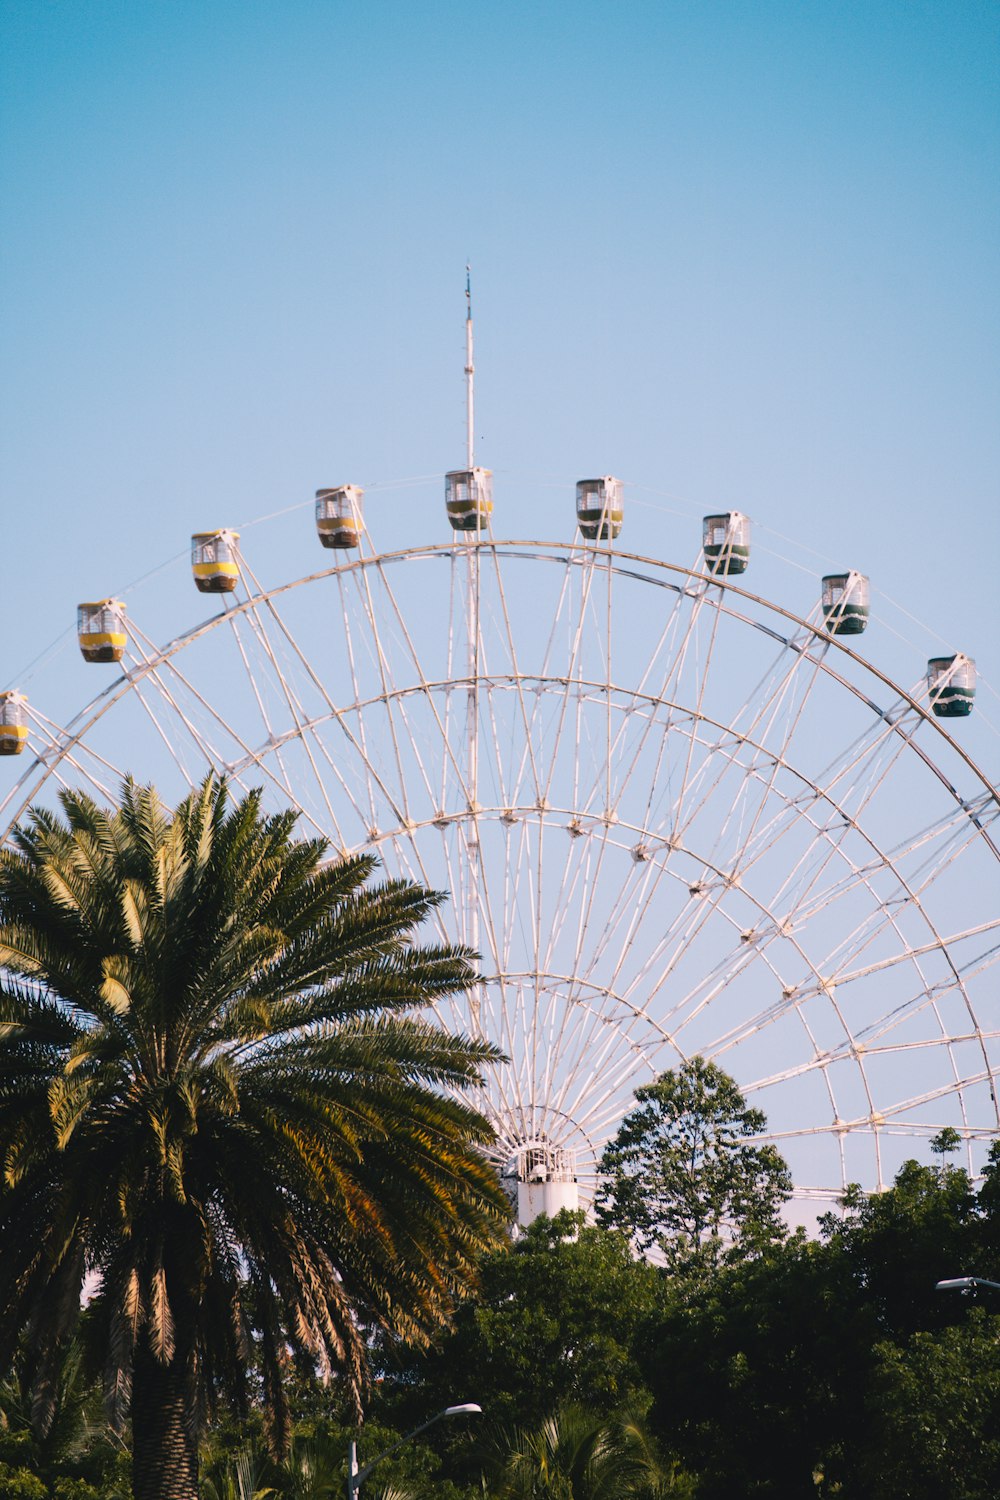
x: 674, y: 817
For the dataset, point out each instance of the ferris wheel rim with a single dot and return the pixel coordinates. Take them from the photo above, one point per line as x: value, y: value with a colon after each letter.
x: 684, y: 582
x: 573, y: 553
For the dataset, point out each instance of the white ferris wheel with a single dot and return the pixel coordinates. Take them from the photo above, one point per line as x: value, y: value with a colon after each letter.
x: 674, y: 817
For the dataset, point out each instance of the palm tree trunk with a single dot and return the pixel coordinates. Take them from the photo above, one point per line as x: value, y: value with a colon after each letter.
x: 164, y: 1444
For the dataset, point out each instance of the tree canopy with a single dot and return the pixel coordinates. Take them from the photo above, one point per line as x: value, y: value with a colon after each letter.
x: 685, y: 1175
x: 552, y: 1322
x: 214, y: 1104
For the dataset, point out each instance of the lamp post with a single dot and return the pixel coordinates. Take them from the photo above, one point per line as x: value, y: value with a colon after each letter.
x: 356, y: 1476
x: 965, y: 1284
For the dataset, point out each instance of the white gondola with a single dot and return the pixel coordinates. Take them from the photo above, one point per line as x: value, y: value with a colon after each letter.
x: 845, y: 602
x: 726, y: 542
x: 13, y: 723
x: 951, y: 685
x: 340, y: 516
x: 599, y: 508
x: 468, y: 496
x: 101, y: 630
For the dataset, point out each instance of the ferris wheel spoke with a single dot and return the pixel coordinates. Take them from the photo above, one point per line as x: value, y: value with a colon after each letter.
x: 802, y: 890
x: 590, y: 906
x: 452, y: 764
x: 883, y: 745
x: 252, y: 619
x: 265, y: 717
x: 697, y: 707
x: 580, y: 569
x: 691, y: 1003
x: 627, y: 920
x: 410, y: 863
x: 664, y: 696
x: 674, y: 818
x: 614, y: 749
x: 719, y: 760
x: 263, y: 611
x: 486, y: 907
x: 513, y: 842
x: 164, y: 668
x: 79, y: 756
x: 599, y: 1095
x: 944, y: 840
x: 156, y: 673
x: 681, y: 932
x: 339, y: 717
x: 393, y: 705
x: 494, y: 742
x: 776, y: 759
x: 912, y: 888
x: 568, y: 891
x: 13, y: 815
x: 352, y: 668
x: 303, y: 726
x: 587, y: 1049
x: 524, y: 717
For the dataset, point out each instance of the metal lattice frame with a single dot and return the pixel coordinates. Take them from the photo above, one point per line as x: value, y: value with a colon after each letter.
x: 674, y: 817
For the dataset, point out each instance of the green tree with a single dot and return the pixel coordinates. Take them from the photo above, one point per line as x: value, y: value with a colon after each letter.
x: 212, y: 1102
x: 73, y: 1452
x: 799, y: 1370
x: 575, y: 1455
x: 934, y: 1416
x: 685, y: 1174
x: 552, y: 1322
x: 241, y: 1475
x: 758, y: 1370
x: 896, y: 1245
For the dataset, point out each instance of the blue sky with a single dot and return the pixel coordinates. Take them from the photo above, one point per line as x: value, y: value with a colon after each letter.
x: 742, y: 255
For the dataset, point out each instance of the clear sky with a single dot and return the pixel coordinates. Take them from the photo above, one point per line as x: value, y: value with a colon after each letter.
x: 741, y: 253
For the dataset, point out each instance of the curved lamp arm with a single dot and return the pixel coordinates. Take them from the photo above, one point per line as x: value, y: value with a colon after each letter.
x: 356, y: 1476
x: 965, y: 1284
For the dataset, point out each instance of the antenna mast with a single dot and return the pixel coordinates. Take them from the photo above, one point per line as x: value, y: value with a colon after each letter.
x: 472, y: 873
x: 470, y: 370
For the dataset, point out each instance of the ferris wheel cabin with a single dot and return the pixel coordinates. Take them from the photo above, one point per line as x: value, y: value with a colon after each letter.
x: 726, y: 542
x: 468, y: 498
x: 101, y: 630
x: 13, y: 723
x: 599, y: 508
x: 339, y: 516
x: 213, y: 561
x: 845, y: 602
x: 951, y: 685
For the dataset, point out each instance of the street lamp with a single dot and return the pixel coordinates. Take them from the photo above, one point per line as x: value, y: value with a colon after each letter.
x: 356, y: 1476
x: 965, y: 1284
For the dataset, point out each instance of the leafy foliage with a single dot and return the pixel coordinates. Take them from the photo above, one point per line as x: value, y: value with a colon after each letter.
x: 552, y: 1323
x: 935, y: 1414
x: 900, y: 1243
x: 212, y: 1102
x: 573, y: 1455
x: 796, y: 1371
x: 684, y: 1175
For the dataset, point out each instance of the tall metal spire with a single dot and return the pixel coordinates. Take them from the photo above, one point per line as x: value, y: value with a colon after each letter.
x: 470, y: 371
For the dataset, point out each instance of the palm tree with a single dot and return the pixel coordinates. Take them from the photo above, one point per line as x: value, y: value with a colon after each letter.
x: 577, y: 1455
x: 76, y: 1440
x: 238, y: 1477
x: 213, y: 1105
